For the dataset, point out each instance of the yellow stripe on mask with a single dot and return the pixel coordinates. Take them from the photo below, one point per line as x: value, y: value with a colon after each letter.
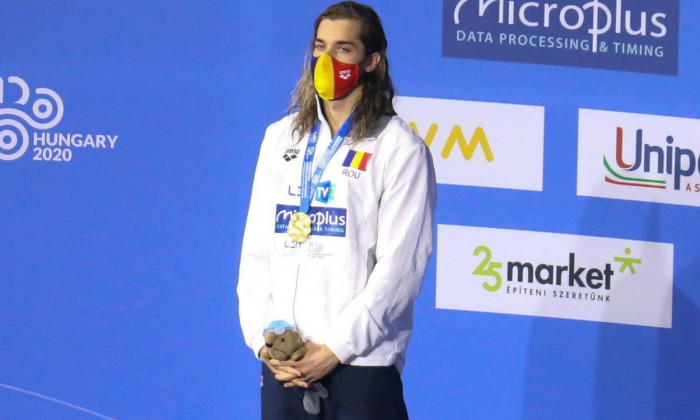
x: 324, y: 79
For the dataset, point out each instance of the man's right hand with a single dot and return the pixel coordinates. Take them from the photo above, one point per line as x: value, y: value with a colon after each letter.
x: 286, y: 374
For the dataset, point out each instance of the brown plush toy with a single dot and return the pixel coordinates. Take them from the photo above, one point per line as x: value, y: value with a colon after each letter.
x: 283, y: 342
x: 285, y: 346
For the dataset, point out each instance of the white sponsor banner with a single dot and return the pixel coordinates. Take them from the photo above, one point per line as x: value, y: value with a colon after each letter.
x: 554, y: 275
x: 480, y: 143
x: 638, y: 157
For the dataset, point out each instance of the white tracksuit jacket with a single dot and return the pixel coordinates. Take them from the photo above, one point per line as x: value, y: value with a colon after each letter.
x: 352, y: 283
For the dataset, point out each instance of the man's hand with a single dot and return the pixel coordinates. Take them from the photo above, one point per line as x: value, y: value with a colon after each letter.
x: 282, y: 373
x: 318, y: 362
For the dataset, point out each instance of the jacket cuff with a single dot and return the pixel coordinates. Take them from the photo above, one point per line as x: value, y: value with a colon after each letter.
x: 342, y: 351
x: 257, y: 344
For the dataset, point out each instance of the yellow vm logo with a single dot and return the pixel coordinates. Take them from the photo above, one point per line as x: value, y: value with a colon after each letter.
x: 456, y: 136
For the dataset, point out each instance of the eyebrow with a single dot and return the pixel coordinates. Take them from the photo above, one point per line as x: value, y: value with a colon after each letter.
x: 337, y: 43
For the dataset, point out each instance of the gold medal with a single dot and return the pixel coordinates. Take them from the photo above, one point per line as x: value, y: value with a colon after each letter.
x: 299, y: 227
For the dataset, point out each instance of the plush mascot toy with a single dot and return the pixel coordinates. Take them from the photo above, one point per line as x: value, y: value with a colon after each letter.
x: 283, y: 342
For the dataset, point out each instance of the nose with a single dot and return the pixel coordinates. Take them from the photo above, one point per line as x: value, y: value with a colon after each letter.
x: 268, y: 345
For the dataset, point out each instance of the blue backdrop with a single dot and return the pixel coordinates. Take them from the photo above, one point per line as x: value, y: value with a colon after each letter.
x: 119, y: 265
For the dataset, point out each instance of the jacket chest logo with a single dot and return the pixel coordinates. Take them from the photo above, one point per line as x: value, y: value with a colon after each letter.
x: 290, y: 154
x: 355, y: 163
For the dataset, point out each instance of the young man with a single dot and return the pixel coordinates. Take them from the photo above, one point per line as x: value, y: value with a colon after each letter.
x: 339, y: 229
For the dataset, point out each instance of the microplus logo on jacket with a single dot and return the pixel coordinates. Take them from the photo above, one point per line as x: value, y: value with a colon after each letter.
x: 325, y: 221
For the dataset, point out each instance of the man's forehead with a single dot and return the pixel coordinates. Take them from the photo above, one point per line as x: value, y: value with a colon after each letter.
x: 330, y: 30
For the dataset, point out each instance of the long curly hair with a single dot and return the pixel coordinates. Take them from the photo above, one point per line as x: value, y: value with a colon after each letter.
x: 377, y: 88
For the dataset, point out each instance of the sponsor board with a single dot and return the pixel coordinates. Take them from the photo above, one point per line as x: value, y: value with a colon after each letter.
x: 638, y: 157
x: 480, y: 143
x: 554, y: 275
x: 628, y: 35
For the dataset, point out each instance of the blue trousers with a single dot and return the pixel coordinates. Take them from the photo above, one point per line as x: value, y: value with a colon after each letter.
x: 355, y: 393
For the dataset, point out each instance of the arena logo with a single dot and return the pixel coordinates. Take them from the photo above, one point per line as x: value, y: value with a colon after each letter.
x: 479, y: 143
x: 27, y: 120
x: 629, y: 35
x: 325, y: 221
x: 564, y: 276
x: 639, y: 157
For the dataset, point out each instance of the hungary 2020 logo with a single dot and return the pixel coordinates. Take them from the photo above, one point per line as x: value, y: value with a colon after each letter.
x: 46, y: 112
x: 27, y: 120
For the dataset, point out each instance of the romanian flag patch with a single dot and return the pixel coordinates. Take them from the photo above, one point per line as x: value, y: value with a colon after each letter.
x: 357, y: 160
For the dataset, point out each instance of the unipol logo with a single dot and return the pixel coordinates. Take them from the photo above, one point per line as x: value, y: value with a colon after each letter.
x: 638, y: 157
x: 42, y: 111
x: 630, y: 35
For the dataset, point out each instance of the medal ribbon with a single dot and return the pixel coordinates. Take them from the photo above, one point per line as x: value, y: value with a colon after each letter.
x: 309, y: 182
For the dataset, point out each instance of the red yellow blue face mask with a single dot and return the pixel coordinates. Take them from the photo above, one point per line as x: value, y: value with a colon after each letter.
x: 333, y: 79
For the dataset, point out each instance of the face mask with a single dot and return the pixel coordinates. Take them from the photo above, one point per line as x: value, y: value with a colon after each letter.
x: 333, y: 79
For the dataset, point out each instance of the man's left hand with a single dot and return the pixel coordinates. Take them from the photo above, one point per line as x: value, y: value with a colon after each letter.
x: 318, y: 362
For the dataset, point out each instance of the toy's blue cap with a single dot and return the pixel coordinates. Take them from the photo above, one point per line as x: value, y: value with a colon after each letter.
x: 278, y: 327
